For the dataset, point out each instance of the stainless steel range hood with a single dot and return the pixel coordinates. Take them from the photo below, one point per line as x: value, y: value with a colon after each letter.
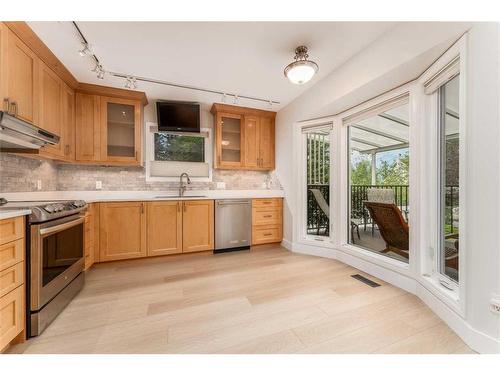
x: 16, y: 134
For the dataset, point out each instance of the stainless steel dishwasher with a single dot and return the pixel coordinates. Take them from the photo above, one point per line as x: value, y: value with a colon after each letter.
x: 233, y: 224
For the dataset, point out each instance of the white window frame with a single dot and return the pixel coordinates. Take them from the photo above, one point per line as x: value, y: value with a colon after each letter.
x: 301, y: 179
x: 443, y: 70
x: 367, y: 109
x: 151, y: 128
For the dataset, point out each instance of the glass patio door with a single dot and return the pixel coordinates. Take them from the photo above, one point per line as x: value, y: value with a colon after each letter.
x: 317, y: 158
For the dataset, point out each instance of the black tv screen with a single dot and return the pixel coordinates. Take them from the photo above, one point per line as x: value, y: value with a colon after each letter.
x: 178, y: 116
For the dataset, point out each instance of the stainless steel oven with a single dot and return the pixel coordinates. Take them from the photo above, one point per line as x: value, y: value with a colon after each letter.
x: 56, y: 262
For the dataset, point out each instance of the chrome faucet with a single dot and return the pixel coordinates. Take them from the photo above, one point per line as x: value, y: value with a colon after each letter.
x: 183, y: 187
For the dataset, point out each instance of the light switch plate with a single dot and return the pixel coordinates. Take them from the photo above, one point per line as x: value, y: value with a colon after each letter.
x: 98, y: 185
x: 38, y: 184
x: 221, y: 185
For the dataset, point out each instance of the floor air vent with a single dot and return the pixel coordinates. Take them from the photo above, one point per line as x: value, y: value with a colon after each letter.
x: 363, y: 279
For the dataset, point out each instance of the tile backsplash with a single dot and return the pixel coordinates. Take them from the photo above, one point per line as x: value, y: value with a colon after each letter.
x: 19, y: 174
x: 22, y: 173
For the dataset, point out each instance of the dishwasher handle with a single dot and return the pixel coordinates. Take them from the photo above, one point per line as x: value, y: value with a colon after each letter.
x: 231, y: 203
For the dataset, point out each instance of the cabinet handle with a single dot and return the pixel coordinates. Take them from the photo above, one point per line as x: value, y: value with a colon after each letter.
x: 267, y: 234
x: 178, y: 206
x: 12, y: 109
x: 66, y: 150
x: 184, y: 206
x: 268, y: 216
x: 6, y: 104
x: 142, y: 208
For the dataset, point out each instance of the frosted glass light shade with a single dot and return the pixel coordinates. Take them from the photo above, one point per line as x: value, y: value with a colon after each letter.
x: 300, y: 72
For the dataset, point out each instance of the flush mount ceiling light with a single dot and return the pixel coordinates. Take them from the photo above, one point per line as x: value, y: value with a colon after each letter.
x: 301, y: 70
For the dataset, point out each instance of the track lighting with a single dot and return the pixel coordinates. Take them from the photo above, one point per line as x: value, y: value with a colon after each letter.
x: 99, y: 70
x: 131, y: 83
x: 85, y: 50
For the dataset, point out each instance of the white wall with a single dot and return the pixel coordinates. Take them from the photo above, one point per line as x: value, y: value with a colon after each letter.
x: 483, y: 179
x: 395, y: 58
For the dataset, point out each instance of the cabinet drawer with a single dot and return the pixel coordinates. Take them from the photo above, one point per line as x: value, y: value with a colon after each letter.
x: 11, y: 316
x: 266, y: 202
x: 262, y: 216
x: 11, y: 253
x: 11, y: 278
x: 266, y: 234
x: 11, y: 229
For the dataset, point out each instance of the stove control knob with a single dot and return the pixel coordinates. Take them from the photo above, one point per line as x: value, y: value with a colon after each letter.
x: 49, y: 208
x: 59, y: 207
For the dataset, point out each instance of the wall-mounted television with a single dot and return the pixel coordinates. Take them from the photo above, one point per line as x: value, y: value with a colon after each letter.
x: 178, y: 116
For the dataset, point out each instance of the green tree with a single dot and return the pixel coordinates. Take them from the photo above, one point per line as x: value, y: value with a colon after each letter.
x: 361, y: 173
x: 395, y: 173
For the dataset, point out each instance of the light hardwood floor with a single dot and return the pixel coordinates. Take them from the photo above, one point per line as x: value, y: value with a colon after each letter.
x: 266, y: 300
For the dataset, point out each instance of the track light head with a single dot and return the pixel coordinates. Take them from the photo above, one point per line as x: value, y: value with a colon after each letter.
x: 85, y: 50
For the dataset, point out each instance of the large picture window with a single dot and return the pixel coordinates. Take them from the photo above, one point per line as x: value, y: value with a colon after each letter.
x: 449, y: 181
x: 379, y: 161
x: 317, y: 159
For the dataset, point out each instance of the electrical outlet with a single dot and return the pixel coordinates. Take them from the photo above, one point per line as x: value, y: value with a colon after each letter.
x: 38, y: 184
x: 221, y: 185
x: 98, y: 185
x: 495, y: 304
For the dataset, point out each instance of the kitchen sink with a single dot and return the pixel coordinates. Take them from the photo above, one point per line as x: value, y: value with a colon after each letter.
x: 178, y: 196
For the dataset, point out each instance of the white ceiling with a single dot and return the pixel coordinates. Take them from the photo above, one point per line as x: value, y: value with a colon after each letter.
x: 246, y: 57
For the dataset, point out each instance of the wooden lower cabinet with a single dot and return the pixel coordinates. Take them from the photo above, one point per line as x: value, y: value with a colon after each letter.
x: 267, y: 220
x: 164, y: 227
x: 12, y: 316
x: 12, y: 288
x: 197, y: 226
x: 91, y: 235
x: 122, y: 233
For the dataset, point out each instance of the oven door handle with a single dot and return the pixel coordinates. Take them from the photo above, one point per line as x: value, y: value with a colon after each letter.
x: 61, y: 227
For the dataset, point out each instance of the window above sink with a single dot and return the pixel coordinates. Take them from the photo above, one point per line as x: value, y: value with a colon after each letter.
x: 168, y: 154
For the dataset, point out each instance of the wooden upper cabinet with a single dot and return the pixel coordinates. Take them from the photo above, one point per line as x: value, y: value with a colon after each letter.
x: 266, y: 143
x: 197, y: 225
x: 19, y: 77
x: 68, y: 121
x: 122, y: 230
x: 87, y: 127
x: 244, y: 138
x: 4, y: 47
x: 251, y: 141
x: 229, y: 148
x: 121, y: 130
x: 164, y: 227
x: 51, y: 108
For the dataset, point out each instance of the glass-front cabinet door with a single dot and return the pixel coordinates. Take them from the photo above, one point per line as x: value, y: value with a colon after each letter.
x: 229, y: 146
x: 121, y: 133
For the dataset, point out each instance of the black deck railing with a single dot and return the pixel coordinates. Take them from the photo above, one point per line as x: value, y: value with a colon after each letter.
x: 359, y: 194
x: 318, y: 222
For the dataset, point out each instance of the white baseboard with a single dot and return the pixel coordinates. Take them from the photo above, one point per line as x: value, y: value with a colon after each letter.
x: 478, y: 341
